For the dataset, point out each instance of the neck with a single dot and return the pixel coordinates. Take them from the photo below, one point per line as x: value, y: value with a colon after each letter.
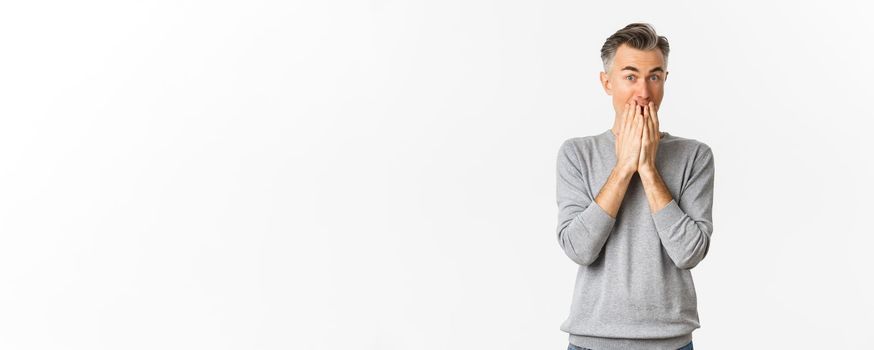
x: 616, y: 128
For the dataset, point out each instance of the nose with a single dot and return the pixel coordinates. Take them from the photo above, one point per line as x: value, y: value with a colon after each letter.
x: 642, y: 95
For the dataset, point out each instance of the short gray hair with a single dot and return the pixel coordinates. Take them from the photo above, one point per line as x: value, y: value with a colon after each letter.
x: 641, y: 36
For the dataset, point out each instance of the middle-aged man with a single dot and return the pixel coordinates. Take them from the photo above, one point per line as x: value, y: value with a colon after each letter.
x: 634, y: 210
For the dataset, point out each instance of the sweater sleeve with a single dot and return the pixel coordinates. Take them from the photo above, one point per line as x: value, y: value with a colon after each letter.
x: 685, y: 225
x: 583, y: 226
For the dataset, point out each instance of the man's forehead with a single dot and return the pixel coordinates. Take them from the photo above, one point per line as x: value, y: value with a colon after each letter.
x: 639, y: 59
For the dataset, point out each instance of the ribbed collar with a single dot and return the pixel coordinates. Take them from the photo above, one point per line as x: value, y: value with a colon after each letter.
x: 610, y: 136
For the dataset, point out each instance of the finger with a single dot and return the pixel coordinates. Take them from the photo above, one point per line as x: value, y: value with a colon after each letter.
x: 623, y: 123
x: 629, y: 123
x: 629, y: 116
x: 621, y: 120
x: 646, y: 135
x: 638, y: 120
x: 655, y: 117
x: 649, y: 123
x: 644, y: 116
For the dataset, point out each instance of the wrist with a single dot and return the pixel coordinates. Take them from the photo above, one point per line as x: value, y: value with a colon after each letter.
x: 623, y: 173
x: 647, y: 171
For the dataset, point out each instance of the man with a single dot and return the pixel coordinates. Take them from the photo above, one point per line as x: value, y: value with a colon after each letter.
x: 634, y: 210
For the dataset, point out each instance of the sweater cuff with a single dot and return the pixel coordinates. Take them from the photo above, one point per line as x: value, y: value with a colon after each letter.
x: 596, y: 218
x: 668, y: 216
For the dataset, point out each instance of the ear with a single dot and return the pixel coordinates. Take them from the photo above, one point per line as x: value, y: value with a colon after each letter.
x: 605, y: 83
x: 666, y: 75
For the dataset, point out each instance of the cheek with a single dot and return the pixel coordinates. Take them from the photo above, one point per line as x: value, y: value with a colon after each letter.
x: 622, y: 96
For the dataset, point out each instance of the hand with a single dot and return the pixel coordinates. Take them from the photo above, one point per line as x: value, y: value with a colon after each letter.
x: 628, y: 142
x: 650, y: 139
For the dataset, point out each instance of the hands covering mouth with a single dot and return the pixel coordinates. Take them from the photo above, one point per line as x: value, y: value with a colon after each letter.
x: 638, y: 139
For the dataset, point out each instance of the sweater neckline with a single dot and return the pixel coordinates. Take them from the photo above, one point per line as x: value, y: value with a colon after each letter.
x: 612, y: 137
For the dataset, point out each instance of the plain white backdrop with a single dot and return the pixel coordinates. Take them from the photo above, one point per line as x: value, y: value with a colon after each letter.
x: 381, y: 174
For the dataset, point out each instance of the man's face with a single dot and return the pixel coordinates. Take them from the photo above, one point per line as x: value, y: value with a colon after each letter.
x: 635, y: 76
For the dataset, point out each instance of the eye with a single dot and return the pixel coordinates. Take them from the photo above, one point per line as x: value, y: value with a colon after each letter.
x: 656, y: 78
x: 630, y: 76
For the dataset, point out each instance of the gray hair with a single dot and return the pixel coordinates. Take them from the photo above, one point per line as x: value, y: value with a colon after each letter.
x: 641, y: 36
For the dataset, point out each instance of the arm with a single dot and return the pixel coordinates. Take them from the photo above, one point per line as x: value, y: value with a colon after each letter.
x: 585, y: 224
x: 685, y: 225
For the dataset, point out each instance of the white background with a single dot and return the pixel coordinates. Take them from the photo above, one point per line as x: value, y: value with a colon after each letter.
x: 381, y: 174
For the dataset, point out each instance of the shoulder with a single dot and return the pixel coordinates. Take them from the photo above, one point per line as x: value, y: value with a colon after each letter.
x: 578, y: 144
x: 573, y: 151
x: 688, y: 147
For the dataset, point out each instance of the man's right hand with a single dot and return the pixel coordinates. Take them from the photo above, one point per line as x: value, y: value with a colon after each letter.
x: 628, y: 142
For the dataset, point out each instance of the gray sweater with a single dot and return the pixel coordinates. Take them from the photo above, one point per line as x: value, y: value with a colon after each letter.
x: 634, y: 287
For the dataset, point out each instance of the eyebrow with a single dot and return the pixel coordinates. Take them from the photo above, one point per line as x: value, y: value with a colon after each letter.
x: 632, y: 68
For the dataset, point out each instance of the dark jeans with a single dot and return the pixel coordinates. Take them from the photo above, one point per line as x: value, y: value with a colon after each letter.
x: 574, y: 347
